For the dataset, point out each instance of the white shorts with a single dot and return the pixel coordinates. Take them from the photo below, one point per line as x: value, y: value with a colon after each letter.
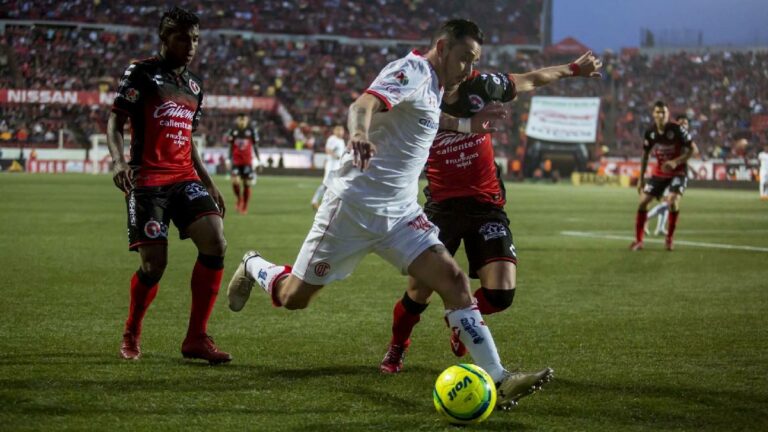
x: 342, y: 235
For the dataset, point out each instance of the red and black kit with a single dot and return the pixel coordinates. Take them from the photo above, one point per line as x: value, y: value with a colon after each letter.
x: 465, y: 193
x: 243, y: 144
x: 666, y: 145
x: 164, y: 109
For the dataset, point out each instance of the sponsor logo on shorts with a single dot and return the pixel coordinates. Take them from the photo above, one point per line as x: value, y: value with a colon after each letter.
x: 421, y: 223
x: 322, y: 268
x: 132, y: 209
x: 493, y: 230
x: 154, y: 229
x: 195, y: 191
x: 470, y: 326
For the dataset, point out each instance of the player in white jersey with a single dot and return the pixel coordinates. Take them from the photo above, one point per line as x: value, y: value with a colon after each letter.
x: 763, y: 157
x: 371, y: 204
x: 334, y: 150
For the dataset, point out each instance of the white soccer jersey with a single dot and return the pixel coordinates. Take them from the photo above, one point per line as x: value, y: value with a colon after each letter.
x: 336, y: 146
x: 403, y: 135
x: 763, y: 157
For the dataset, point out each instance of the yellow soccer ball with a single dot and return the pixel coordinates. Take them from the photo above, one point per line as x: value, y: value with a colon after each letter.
x: 464, y: 394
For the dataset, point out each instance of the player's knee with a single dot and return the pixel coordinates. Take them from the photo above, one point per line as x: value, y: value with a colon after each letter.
x: 216, y: 246
x: 500, y: 299
x: 154, y: 267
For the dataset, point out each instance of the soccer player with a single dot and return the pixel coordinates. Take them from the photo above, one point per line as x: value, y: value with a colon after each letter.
x: 763, y: 157
x: 672, y: 146
x: 334, y: 150
x: 243, y: 144
x: 371, y: 204
x: 661, y: 210
x: 466, y: 197
x: 166, y: 180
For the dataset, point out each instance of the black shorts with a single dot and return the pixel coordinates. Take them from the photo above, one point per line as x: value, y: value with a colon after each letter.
x: 484, y: 228
x: 245, y: 172
x: 656, y: 185
x: 150, y: 210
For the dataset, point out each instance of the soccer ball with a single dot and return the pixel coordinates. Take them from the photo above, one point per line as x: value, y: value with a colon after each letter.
x: 464, y: 394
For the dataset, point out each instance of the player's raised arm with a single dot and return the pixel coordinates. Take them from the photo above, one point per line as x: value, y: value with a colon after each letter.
x: 358, y: 121
x: 123, y: 175
x: 587, y: 66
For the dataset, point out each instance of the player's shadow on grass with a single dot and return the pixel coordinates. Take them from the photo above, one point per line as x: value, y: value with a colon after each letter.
x: 39, y: 359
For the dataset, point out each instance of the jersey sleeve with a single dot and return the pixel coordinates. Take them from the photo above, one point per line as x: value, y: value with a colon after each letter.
x: 684, y: 135
x: 198, y: 112
x: 398, y: 80
x: 492, y: 87
x: 647, y: 141
x: 130, y: 92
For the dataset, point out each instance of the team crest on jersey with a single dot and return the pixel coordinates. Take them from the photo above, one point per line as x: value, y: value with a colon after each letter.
x: 670, y: 134
x: 195, y: 191
x: 401, y: 78
x: 476, y: 103
x: 132, y: 95
x: 154, y: 229
x: 492, y: 230
x: 193, y: 86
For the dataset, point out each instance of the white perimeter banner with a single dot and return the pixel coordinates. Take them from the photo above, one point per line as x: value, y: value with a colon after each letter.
x: 562, y: 119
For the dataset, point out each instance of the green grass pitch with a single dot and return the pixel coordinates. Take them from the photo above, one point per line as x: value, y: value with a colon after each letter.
x: 651, y: 340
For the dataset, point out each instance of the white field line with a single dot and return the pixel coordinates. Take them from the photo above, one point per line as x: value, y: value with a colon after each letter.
x: 588, y: 234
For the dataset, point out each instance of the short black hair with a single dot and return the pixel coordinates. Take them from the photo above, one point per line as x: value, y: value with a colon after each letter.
x: 681, y: 117
x: 458, y: 29
x: 660, y: 104
x: 175, y: 20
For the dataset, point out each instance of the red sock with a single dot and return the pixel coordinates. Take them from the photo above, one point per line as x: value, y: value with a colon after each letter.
x: 141, y: 298
x: 205, y: 287
x: 672, y: 223
x: 236, y: 188
x: 246, y: 196
x: 642, y: 216
x: 485, y: 307
x: 403, y: 323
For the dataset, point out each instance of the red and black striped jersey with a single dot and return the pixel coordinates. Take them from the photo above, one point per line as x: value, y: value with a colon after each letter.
x: 164, y: 109
x: 242, y: 145
x: 463, y: 165
x: 667, y: 145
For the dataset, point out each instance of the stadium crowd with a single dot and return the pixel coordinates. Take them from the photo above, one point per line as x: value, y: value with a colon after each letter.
x: 506, y: 21
x: 316, y: 81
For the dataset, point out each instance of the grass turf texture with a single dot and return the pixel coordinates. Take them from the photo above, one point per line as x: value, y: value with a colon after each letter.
x: 649, y: 340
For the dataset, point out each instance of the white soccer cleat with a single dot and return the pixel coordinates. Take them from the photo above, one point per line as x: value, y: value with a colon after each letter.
x: 241, y: 284
x: 516, y: 385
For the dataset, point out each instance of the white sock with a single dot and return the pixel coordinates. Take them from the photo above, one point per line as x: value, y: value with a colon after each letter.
x: 657, y: 209
x: 661, y: 222
x: 263, y: 272
x: 764, y: 189
x: 319, y: 192
x: 476, y: 336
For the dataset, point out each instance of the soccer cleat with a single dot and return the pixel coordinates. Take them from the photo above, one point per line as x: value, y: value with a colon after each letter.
x: 516, y: 385
x: 203, y: 347
x: 669, y: 244
x: 457, y: 346
x: 636, y: 246
x: 241, y: 284
x: 645, y: 229
x: 393, y: 359
x: 130, y: 348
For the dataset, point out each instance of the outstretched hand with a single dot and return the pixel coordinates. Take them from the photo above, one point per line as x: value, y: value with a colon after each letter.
x: 589, y: 65
x: 485, y: 121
